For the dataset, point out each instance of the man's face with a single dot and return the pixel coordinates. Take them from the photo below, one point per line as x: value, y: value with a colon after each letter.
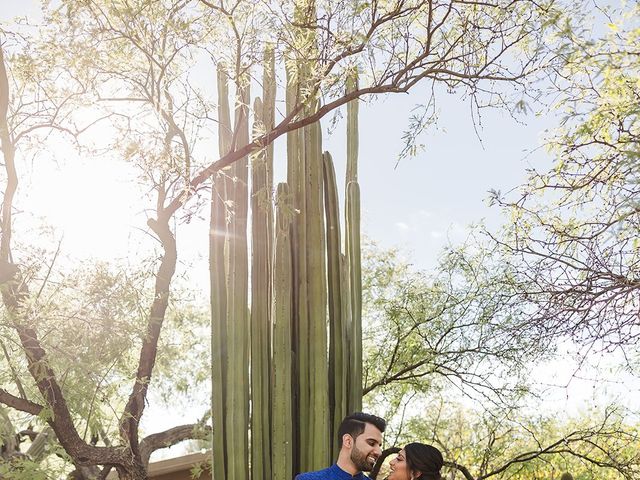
x: 367, y: 448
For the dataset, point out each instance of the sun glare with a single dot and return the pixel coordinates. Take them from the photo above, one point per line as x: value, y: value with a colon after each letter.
x: 92, y: 205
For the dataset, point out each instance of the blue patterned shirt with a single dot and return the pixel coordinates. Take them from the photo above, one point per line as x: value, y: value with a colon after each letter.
x: 334, y: 472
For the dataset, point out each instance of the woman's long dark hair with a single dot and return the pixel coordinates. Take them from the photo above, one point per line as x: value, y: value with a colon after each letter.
x: 425, y: 459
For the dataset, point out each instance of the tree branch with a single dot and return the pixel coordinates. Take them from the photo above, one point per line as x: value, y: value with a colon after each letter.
x: 173, y: 436
x: 130, y: 418
x: 464, y: 470
x: 18, y: 403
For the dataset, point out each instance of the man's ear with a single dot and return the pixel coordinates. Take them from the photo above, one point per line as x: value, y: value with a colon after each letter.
x: 347, y: 440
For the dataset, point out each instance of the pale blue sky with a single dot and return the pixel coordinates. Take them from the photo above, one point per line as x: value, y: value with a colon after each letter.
x: 420, y: 203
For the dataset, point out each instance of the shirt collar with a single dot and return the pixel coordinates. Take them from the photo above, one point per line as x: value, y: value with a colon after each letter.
x: 340, y: 474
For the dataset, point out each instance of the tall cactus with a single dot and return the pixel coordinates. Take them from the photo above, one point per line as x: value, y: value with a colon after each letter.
x: 300, y: 330
x: 261, y: 235
x: 281, y: 371
x: 218, y: 294
x: 260, y: 308
x: 302, y: 382
x: 229, y: 295
x: 317, y: 300
x: 353, y: 252
x: 237, y: 303
x: 338, y: 296
x: 311, y: 345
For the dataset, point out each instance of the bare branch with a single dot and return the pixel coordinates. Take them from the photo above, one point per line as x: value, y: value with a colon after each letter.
x: 173, y: 436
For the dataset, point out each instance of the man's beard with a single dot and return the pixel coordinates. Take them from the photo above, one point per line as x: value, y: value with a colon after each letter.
x: 360, y: 461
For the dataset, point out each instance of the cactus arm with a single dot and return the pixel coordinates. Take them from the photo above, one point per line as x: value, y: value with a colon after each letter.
x: 336, y: 290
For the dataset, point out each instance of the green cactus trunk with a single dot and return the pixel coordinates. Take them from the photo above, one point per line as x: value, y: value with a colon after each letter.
x: 38, y: 448
x: 237, y: 302
x: 353, y: 252
x: 300, y: 327
x: 355, y: 287
x: 229, y: 307
x: 318, y: 372
x: 310, y: 300
x: 218, y: 293
x: 260, y: 310
x: 261, y: 278
x: 338, y: 295
x: 281, y: 372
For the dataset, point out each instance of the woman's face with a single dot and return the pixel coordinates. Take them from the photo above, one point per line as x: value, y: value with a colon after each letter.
x: 399, y: 468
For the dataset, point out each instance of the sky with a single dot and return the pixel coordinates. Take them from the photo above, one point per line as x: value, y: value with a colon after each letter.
x: 418, y: 204
x: 422, y: 203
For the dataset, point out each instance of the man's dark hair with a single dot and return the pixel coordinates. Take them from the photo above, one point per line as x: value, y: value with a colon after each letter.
x: 354, y: 424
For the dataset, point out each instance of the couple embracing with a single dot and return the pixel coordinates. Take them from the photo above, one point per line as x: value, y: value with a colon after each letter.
x: 360, y: 439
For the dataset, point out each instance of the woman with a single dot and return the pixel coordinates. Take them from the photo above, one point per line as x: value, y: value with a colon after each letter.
x: 417, y: 461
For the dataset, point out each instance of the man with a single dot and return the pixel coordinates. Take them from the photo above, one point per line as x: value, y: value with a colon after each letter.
x: 360, y: 439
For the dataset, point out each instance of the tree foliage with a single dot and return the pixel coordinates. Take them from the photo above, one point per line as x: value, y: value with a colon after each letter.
x: 590, y: 444
x: 433, y: 342
x: 92, y: 321
x: 572, y: 235
x: 450, y: 328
